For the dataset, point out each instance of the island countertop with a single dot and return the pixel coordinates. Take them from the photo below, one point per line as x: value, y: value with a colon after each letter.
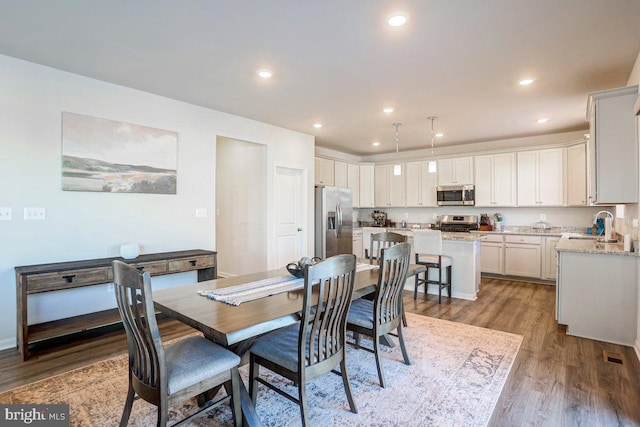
x: 571, y: 242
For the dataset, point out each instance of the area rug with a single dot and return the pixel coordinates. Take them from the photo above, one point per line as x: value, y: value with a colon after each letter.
x: 455, y: 379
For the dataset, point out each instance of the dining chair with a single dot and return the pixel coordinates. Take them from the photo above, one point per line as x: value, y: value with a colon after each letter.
x: 315, y: 345
x: 428, y: 248
x: 166, y: 375
x: 381, y: 241
x: 382, y: 315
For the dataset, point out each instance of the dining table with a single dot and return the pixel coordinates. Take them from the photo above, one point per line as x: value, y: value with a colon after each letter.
x: 236, y: 326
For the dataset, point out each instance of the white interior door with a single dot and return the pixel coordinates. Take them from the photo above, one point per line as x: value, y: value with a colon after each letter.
x: 290, y: 215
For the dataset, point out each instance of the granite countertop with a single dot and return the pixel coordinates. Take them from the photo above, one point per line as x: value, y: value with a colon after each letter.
x: 528, y: 230
x: 585, y: 244
x: 461, y: 236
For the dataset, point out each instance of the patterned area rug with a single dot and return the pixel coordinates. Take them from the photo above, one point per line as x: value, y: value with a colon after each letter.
x: 456, y: 376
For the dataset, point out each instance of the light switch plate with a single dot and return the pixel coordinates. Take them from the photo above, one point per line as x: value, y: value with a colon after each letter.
x: 543, y: 217
x: 34, y: 213
x: 201, y: 212
x: 5, y: 214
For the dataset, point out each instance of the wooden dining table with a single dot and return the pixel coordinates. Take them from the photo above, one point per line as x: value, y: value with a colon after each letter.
x: 235, y: 327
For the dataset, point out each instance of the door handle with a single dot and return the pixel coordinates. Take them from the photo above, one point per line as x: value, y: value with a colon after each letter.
x: 299, y: 229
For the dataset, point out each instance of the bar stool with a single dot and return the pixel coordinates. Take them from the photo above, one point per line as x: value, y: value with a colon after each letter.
x: 428, y: 248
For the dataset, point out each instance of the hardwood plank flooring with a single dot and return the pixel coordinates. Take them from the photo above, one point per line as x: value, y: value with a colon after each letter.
x: 556, y: 379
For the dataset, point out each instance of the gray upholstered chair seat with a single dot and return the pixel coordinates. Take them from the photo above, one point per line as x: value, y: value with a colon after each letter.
x: 194, y: 359
x: 361, y: 313
x: 433, y: 259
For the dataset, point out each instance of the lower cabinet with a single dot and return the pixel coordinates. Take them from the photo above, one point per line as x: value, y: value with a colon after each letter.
x: 523, y: 256
x: 550, y: 258
x: 358, y: 249
x: 492, y: 254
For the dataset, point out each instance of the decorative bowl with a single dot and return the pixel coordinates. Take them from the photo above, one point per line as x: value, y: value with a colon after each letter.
x: 297, y: 268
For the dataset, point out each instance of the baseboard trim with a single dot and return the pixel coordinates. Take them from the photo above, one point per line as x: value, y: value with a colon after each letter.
x: 636, y: 347
x: 8, y: 343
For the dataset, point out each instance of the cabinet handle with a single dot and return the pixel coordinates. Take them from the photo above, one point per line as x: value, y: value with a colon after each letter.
x: 69, y: 278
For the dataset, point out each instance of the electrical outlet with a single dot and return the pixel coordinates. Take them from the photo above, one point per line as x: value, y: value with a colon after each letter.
x: 543, y: 217
x: 201, y: 212
x: 435, y: 215
x: 5, y: 214
x: 34, y: 213
x: 406, y: 215
x: 635, y: 222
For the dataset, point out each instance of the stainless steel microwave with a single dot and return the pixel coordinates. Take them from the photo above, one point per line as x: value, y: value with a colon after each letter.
x: 456, y: 195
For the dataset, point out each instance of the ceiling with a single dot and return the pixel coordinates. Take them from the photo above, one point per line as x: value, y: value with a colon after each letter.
x: 337, y: 62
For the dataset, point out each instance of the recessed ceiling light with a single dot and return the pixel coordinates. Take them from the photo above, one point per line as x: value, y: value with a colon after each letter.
x: 526, y: 82
x: 439, y: 135
x: 375, y: 143
x: 542, y: 120
x: 265, y: 74
x: 388, y: 110
x: 317, y: 125
x: 397, y: 19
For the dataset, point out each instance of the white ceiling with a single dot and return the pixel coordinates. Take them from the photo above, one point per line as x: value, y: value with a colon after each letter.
x: 337, y: 62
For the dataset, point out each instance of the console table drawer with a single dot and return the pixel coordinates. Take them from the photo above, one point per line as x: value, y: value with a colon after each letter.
x: 189, y: 264
x: 154, y: 268
x: 67, y: 279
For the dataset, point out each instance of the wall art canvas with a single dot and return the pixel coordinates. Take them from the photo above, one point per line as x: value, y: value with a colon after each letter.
x: 108, y: 156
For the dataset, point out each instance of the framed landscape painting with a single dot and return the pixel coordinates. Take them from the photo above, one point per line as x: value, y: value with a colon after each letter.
x: 116, y: 157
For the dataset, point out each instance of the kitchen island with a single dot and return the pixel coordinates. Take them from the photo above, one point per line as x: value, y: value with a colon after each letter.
x: 463, y: 248
x: 596, y: 293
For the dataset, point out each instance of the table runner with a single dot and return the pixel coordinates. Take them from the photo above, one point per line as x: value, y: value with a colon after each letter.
x: 236, y: 295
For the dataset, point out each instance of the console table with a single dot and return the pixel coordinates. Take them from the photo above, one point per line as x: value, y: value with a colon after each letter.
x: 34, y: 279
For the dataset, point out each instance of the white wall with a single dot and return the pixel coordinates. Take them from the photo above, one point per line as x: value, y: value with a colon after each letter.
x: 83, y: 225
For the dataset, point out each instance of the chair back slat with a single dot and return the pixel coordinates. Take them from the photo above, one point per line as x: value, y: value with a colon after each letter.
x: 393, y: 273
x: 323, y: 327
x: 427, y: 242
x: 380, y: 241
x: 135, y: 304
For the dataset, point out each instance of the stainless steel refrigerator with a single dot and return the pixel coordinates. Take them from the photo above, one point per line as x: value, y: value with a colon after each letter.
x: 333, y: 221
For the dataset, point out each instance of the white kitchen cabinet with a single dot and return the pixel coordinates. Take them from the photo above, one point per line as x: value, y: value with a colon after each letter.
x: 613, y: 146
x: 550, y: 258
x: 324, y: 171
x: 366, y: 186
x: 522, y: 256
x: 492, y: 254
x: 495, y: 180
x: 540, y: 177
x: 353, y: 182
x: 357, y: 249
x: 389, y: 187
x: 340, y: 174
x: 455, y: 171
x: 420, y: 185
x: 577, y: 175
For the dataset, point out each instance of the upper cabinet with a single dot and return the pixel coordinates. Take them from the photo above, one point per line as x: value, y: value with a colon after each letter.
x: 340, y: 174
x: 389, y: 186
x: 366, y: 186
x: 456, y: 171
x: 324, y: 171
x: 495, y: 180
x: 353, y: 182
x: 613, y: 146
x: 576, y: 167
x: 540, y: 177
x: 420, y: 185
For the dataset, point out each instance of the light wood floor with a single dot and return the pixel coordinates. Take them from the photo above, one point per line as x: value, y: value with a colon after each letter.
x: 556, y: 379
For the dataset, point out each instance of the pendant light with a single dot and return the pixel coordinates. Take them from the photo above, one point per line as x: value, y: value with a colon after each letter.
x: 397, y: 169
x: 433, y: 168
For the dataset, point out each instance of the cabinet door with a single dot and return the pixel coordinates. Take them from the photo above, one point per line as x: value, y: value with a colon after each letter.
x: 324, y: 171
x: 446, y: 172
x: 550, y: 177
x: 428, y: 181
x: 353, y: 182
x: 340, y: 174
x: 504, y: 179
x: 463, y: 170
x: 484, y: 180
x: 358, y: 250
x: 366, y: 186
x: 577, y: 175
x: 381, y: 188
x: 522, y: 260
x: 492, y: 258
x: 413, y: 188
x: 527, y: 178
x: 396, y: 186
x: 550, y: 258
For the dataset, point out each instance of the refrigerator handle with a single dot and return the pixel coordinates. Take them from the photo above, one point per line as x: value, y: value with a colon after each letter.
x: 339, y: 226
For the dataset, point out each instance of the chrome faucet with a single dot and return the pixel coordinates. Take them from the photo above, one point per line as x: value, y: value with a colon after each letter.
x: 607, y: 225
